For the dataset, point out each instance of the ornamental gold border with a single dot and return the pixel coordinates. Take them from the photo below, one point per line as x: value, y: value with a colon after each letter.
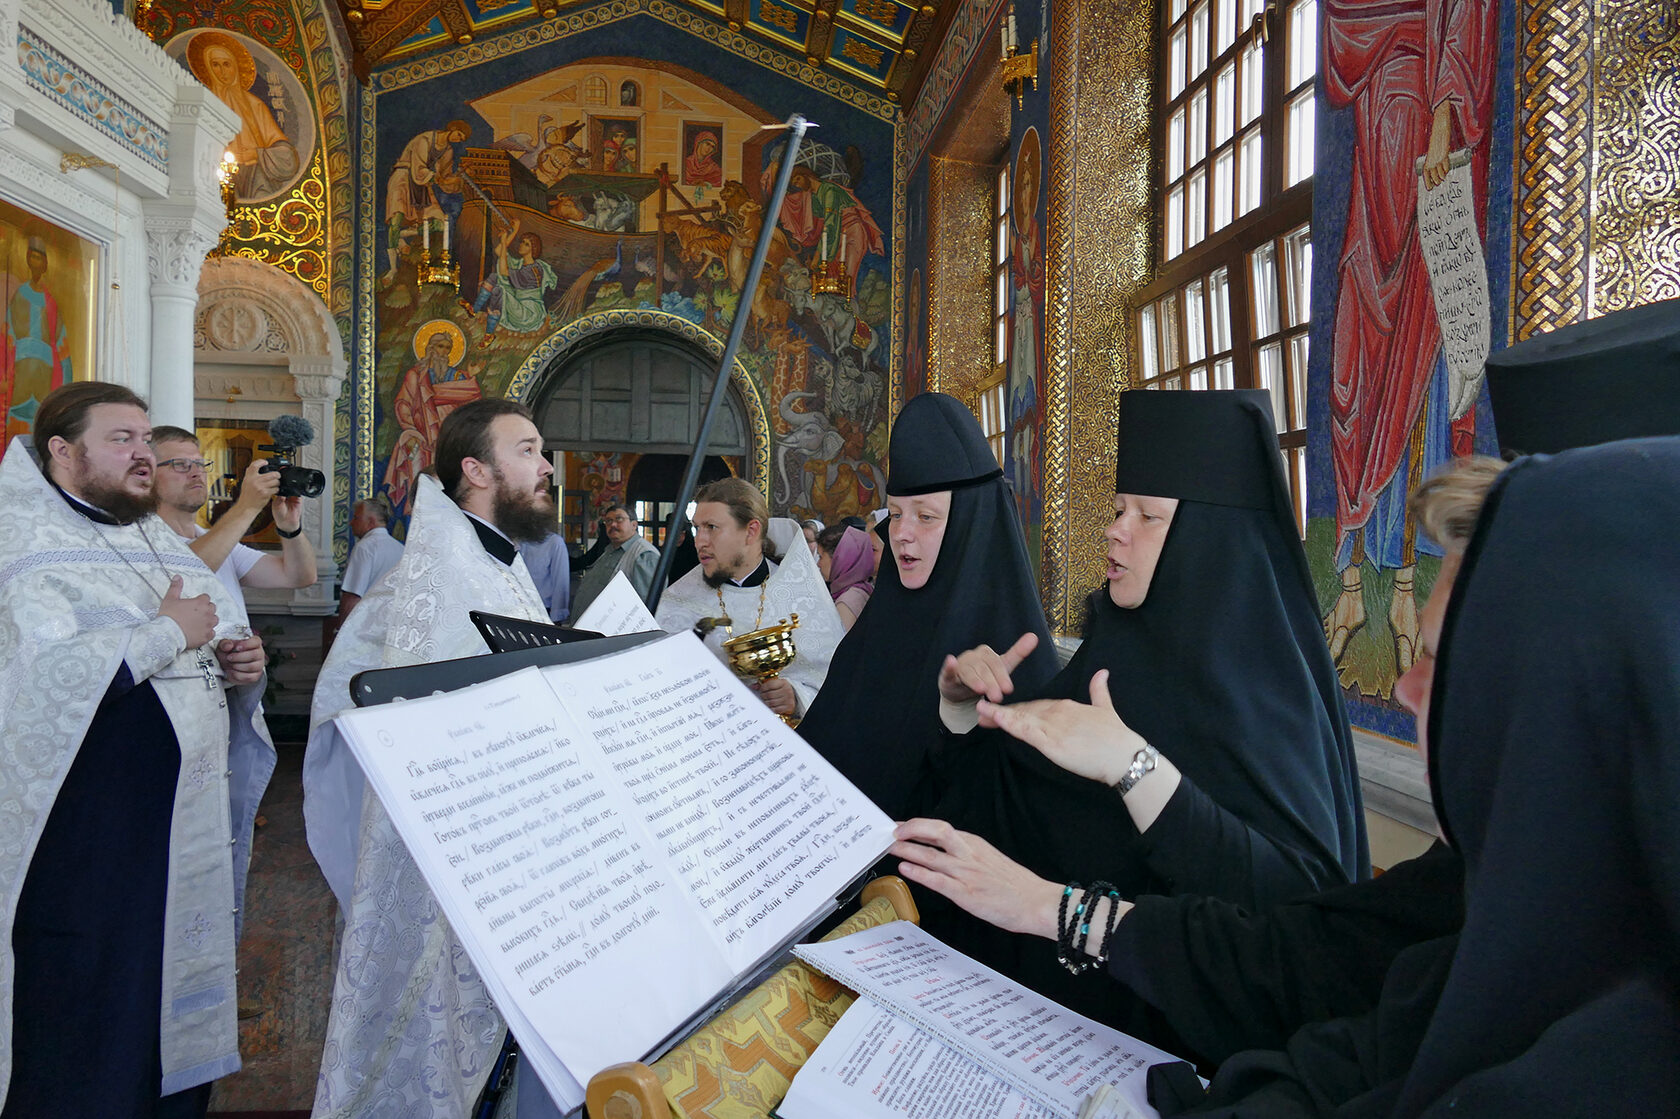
x: 933, y: 296
x: 554, y: 348
x: 1554, y: 137
x: 362, y: 373
x: 900, y: 223
x: 603, y: 15
x: 1099, y: 229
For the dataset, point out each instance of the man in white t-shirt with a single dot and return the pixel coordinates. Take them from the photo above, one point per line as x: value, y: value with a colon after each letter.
x: 376, y: 551
x: 183, y: 487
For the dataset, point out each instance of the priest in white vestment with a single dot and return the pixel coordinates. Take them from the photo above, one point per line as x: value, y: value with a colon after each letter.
x: 412, y: 1030
x: 132, y: 773
x: 738, y: 580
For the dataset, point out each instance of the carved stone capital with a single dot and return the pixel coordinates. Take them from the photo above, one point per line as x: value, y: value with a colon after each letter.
x: 175, y: 255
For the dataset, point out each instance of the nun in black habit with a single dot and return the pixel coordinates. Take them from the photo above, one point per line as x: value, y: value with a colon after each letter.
x: 877, y: 714
x: 1221, y: 668
x: 1554, y: 743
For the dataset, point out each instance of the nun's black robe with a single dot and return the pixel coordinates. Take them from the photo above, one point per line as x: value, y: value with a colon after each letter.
x: 1228, y: 979
x: 877, y: 715
x: 1224, y: 669
x: 1555, y: 724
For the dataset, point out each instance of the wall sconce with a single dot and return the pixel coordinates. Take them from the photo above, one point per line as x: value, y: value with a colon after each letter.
x: 439, y: 269
x: 226, y: 171
x: 1020, y: 69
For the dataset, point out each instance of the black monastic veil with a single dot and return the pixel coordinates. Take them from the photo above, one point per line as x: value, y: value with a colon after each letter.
x: 1555, y: 720
x: 877, y: 715
x: 1224, y: 669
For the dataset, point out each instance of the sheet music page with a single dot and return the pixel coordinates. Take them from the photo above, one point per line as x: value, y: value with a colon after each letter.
x: 759, y: 827
x: 1054, y: 1055
x: 875, y: 1064
x: 542, y: 864
x: 618, y: 609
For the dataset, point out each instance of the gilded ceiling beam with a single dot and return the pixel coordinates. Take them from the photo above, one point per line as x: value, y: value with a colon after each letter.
x: 822, y: 31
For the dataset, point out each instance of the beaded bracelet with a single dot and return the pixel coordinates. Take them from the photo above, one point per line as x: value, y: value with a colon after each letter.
x: 1072, y: 935
x: 1064, y: 929
x: 1112, y: 922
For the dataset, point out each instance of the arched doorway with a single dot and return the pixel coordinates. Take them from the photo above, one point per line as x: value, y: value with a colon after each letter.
x: 620, y: 410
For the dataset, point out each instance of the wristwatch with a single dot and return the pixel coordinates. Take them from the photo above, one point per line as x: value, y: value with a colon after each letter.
x: 292, y: 535
x: 1143, y: 763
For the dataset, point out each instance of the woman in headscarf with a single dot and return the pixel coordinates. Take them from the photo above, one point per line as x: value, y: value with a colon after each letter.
x: 847, y: 563
x: 1208, y: 652
x: 957, y: 577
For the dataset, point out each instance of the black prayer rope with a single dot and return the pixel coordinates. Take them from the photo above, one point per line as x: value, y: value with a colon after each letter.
x: 1072, y: 934
x: 1064, y: 929
x: 1113, y: 920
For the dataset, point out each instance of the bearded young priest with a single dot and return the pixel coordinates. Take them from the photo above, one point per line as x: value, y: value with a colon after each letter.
x: 755, y: 572
x: 412, y: 1029
x: 131, y: 773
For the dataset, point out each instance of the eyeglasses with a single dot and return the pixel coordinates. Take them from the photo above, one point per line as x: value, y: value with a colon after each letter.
x: 619, y: 519
x: 186, y: 465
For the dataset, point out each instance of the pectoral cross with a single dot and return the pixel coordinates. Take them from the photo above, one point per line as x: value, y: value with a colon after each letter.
x: 207, y: 665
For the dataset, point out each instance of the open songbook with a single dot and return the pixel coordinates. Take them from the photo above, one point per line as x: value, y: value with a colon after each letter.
x: 935, y: 1034
x: 616, y: 842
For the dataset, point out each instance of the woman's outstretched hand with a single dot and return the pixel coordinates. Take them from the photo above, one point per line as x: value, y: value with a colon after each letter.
x: 1087, y: 739
x: 978, y: 877
x: 984, y: 672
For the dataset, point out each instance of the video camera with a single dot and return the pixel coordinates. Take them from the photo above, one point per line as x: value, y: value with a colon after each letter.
x: 289, y: 433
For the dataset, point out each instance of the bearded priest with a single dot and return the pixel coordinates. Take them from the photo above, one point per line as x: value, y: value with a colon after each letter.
x: 755, y: 572
x: 412, y: 1030
x: 132, y: 764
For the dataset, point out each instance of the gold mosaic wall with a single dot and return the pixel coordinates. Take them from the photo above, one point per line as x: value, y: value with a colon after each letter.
x: 1099, y: 233
x: 959, y: 277
x: 1636, y: 160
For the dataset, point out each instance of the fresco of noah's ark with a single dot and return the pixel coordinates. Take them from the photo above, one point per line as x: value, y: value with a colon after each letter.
x: 561, y: 195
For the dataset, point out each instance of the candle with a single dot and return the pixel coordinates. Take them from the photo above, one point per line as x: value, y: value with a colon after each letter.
x: 1014, y: 39
x: 426, y: 232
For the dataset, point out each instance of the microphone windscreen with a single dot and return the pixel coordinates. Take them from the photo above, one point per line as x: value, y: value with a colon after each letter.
x: 291, y: 431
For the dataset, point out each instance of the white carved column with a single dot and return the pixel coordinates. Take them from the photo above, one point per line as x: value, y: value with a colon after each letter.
x: 180, y: 230
x: 174, y: 256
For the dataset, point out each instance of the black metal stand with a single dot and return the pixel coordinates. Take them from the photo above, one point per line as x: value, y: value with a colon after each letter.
x: 796, y: 125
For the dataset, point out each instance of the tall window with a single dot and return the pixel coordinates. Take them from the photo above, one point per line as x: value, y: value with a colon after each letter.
x: 993, y: 410
x: 1234, y: 119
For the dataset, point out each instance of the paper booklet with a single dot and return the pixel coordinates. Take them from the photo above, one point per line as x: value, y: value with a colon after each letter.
x: 936, y: 1028
x: 614, y: 841
x: 618, y: 609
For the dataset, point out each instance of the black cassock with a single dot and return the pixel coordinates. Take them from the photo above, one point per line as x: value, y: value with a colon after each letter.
x: 90, y: 920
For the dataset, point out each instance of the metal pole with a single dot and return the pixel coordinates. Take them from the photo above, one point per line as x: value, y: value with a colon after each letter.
x: 796, y: 126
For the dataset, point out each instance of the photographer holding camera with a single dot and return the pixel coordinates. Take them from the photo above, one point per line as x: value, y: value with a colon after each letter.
x: 183, y: 488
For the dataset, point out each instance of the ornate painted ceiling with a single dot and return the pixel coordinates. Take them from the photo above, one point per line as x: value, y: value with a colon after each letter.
x: 883, y: 46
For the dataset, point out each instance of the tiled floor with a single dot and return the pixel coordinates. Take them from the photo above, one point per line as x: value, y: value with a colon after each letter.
x: 285, y: 960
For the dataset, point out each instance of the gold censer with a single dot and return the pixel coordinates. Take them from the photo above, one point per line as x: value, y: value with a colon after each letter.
x: 763, y: 653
